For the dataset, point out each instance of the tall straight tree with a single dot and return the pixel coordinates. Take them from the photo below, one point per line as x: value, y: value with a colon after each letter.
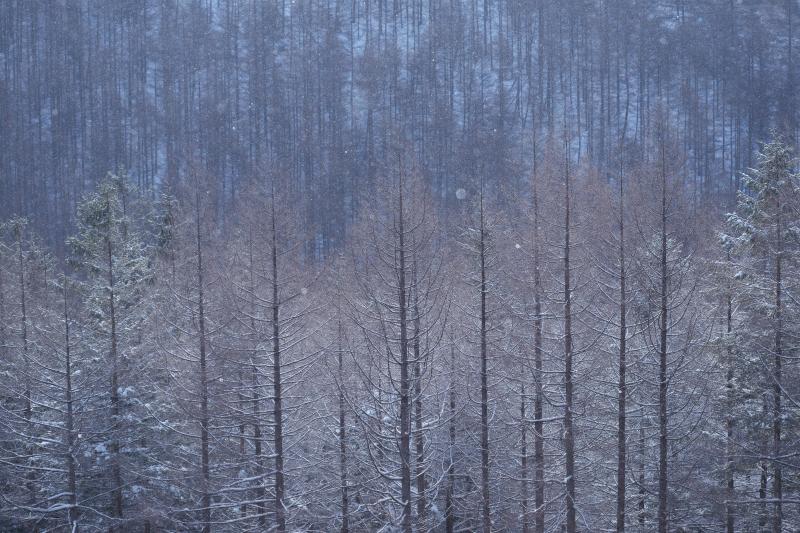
x: 109, y: 250
x: 450, y: 512
x: 622, y: 385
x: 668, y: 277
x: 483, y: 287
x: 277, y: 314
x: 21, y: 251
x: 345, y: 509
x: 611, y: 263
x: 428, y: 317
x: 347, y: 449
x: 70, y: 426
x: 480, y: 318
x: 569, y: 435
x: 389, y: 308
x: 727, y: 300
x: 32, y: 412
x: 477, y: 241
x: 185, y: 324
x: 397, y: 306
x: 764, y: 232
x: 663, y: 397
x: 538, y: 395
x: 202, y: 341
x: 529, y: 237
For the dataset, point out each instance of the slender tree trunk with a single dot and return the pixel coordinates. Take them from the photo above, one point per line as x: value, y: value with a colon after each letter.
x: 642, y: 490
x: 204, y: 418
x: 28, y: 410
x: 280, y: 510
x: 69, y: 422
x: 116, y: 470
x: 23, y: 302
x: 762, y: 495
x: 777, y: 414
x: 258, y: 444
x: 242, y: 405
x: 524, y: 458
x: 343, y: 441
x: 405, y: 411
x: 419, y: 434
x: 261, y: 492
x: 622, y: 391
x: 419, y: 443
x: 729, y: 419
x: 487, y: 519
x: 569, y: 437
x: 662, y: 368
x: 3, y: 320
x: 538, y: 398
x: 450, y: 521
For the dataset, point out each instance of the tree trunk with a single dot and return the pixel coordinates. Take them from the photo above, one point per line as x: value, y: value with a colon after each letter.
x: 642, y: 490
x: 280, y: 510
x: 261, y: 492
x: 204, y: 455
x: 419, y: 435
x: 569, y: 437
x: 729, y: 419
x: 762, y: 495
x: 258, y: 444
x: 405, y: 412
x: 524, y: 459
x: 116, y: 470
x: 343, y: 442
x: 28, y: 410
x: 450, y: 521
x: 777, y: 414
x: 662, y: 367
x: 538, y: 398
x: 622, y: 386
x: 69, y: 422
x: 487, y: 519
x: 241, y: 405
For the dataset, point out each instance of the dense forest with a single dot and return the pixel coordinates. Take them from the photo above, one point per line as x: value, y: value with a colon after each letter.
x: 399, y: 265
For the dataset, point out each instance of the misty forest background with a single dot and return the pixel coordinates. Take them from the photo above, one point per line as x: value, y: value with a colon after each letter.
x: 399, y: 265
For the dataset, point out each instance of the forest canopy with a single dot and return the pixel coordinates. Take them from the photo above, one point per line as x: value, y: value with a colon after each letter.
x: 399, y: 265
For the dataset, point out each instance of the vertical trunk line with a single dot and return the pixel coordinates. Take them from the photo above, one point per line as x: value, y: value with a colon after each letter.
x: 569, y: 438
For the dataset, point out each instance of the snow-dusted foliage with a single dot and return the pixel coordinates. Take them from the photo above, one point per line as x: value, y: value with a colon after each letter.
x: 399, y: 266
